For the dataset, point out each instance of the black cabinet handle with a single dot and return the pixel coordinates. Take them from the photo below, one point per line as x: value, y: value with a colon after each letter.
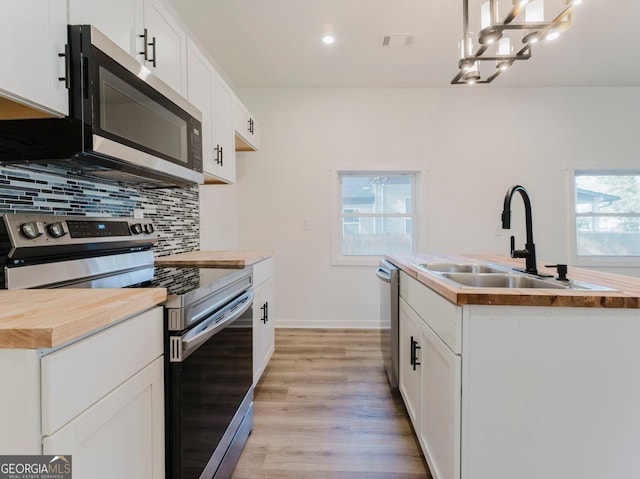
x: 145, y: 44
x: 221, y: 156
x: 265, y: 313
x: 67, y: 68
x: 414, y: 353
x: 218, y: 150
x: 251, y: 125
x: 153, y: 50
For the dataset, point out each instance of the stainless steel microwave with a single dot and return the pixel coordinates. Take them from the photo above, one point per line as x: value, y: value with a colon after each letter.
x: 125, y: 125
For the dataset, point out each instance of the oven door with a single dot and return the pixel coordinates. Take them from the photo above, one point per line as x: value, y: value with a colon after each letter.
x: 210, y: 392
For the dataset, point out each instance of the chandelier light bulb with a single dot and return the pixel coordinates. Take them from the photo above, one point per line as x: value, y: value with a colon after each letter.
x: 552, y: 35
x: 328, y: 39
x: 485, y: 15
x: 504, y: 47
x: 534, y: 12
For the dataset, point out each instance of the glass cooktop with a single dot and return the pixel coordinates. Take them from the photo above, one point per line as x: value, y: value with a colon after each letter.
x: 181, y: 281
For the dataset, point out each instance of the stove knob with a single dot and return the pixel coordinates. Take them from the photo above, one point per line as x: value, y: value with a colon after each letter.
x: 136, y: 228
x: 148, y: 228
x: 57, y: 229
x: 32, y: 229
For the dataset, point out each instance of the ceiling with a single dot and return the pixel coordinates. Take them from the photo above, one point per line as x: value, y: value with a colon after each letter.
x: 277, y: 43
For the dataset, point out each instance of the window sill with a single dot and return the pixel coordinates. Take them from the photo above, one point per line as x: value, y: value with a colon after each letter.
x: 356, y: 260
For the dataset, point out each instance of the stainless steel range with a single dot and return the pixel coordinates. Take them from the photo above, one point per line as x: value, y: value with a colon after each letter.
x: 208, y: 324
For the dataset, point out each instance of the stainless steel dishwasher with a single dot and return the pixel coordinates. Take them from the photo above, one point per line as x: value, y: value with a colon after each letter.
x: 389, y: 318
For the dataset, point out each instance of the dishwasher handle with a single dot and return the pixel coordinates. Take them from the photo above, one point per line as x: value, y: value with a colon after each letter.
x: 183, y: 346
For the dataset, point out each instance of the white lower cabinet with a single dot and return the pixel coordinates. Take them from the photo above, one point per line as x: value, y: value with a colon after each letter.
x: 119, y: 436
x: 430, y: 387
x: 100, y: 399
x: 263, y: 317
x: 410, y: 382
x: 500, y: 392
x: 441, y: 393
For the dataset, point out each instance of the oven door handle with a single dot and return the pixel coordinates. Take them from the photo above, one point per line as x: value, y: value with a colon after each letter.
x: 210, y: 327
x: 384, y: 274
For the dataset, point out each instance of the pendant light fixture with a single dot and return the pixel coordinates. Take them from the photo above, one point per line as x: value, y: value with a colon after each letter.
x: 505, y: 39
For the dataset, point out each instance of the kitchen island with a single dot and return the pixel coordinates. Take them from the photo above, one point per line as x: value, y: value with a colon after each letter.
x: 520, y: 382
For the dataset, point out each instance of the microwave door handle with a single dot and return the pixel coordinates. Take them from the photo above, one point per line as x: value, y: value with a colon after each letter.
x: 208, y: 328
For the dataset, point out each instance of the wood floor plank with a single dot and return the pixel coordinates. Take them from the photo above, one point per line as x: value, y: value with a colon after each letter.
x: 323, y: 410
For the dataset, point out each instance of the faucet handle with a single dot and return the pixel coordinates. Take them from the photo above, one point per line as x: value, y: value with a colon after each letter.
x: 518, y: 253
x: 562, y: 271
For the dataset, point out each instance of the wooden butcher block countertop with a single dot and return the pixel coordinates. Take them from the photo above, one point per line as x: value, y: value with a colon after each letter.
x: 214, y: 259
x: 45, y: 318
x: 625, y: 294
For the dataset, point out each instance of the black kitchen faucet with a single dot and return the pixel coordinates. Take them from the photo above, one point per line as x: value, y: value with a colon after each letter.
x: 529, y: 251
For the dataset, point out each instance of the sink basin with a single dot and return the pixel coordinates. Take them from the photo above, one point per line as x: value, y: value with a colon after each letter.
x: 461, y: 268
x: 511, y: 280
x: 503, y: 280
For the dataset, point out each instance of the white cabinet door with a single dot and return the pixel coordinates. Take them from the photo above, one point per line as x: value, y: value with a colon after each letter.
x: 200, y: 93
x: 225, y: 161
x: 246, y: 127
x: 32, y: 35
x: 264, y: 328
x: 263, y: 317
x: 441, y: 395
x: 122, y: 435
x: 167, y: 46
x: 410, y: 363
x: 119, y: 20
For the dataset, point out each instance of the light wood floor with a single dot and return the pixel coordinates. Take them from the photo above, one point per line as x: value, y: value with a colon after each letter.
x: 323, y: 410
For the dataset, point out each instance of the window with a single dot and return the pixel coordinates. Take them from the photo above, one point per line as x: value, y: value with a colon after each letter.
x: 375, y: 215
x: 607, y: 214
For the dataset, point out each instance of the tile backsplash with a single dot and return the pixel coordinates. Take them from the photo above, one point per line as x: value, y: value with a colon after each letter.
x: 173, y: 211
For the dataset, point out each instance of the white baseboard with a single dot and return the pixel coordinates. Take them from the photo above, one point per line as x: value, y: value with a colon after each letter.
x: 328, y: 323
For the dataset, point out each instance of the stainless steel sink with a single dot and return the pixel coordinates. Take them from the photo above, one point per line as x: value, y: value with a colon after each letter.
x: 504, y: 280
x: 461, y: 268
x: 517, y: 280
x: 484, y: 275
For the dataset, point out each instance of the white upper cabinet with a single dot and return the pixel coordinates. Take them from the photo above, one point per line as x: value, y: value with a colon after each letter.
x: 200, y: 91
x: 120, y: 20
x: 33, y: 33
x: 246, y: 127
x: 166, y: 52
x: 225, y: 161
x: 145, y: 29
x: 213, y: 97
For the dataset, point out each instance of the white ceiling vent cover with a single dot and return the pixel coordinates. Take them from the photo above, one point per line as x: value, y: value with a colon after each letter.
x: 397, y: 40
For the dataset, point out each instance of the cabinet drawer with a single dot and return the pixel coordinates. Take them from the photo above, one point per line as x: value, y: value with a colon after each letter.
x: 77, y: 376
x: 442, y: 316
x: 262, y: 271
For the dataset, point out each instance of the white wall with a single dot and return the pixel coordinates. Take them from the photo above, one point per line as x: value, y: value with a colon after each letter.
x: 471, y: 143
x: 218, y: 217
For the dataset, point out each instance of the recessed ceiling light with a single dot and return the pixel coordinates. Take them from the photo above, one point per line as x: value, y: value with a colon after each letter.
x: 328, y: 39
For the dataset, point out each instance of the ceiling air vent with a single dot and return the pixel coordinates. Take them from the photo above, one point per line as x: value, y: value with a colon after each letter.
x: 397, y: 40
